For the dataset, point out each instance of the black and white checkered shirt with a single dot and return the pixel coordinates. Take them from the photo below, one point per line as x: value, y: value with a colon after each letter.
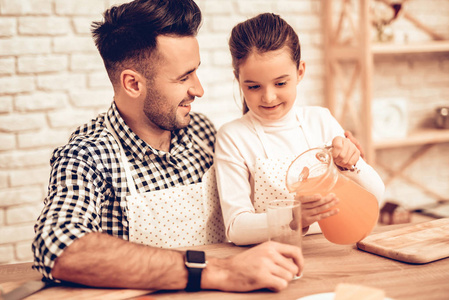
x: 88, y: 186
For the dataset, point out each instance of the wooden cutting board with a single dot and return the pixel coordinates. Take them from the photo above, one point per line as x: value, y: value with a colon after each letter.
x: 417, y: 244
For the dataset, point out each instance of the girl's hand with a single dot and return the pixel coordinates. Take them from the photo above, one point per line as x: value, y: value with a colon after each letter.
x: 352, y: 138
x: 315, y: 208
x: 345, y: 152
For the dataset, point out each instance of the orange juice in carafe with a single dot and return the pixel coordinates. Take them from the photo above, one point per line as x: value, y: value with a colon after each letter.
x: 313, y: 172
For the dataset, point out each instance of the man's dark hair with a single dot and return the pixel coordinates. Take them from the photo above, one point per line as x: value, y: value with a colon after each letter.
x: 126, y: 38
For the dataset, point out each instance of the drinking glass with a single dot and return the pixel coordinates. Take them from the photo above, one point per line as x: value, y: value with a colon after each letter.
x: 284, y: 222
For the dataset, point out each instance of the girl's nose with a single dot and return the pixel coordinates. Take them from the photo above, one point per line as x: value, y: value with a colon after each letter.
x: 268, y: 95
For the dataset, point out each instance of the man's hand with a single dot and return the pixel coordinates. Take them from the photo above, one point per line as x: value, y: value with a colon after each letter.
x: 269, y: 265
x: 344, y: 152
x: 315, y: 208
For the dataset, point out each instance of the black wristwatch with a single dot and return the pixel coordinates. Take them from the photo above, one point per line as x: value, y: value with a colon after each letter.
x: 195, y: 263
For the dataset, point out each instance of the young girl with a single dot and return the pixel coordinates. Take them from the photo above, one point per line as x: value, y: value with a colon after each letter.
x: 253, y: 153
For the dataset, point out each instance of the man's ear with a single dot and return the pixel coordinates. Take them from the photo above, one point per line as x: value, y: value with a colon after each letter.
x: 132, y: 83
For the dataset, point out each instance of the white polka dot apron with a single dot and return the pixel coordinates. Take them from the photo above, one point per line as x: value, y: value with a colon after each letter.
x: 180, y: 216
x: 270, y: 173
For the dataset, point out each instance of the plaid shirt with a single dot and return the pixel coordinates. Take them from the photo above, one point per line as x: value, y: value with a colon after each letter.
x: 88, y: 186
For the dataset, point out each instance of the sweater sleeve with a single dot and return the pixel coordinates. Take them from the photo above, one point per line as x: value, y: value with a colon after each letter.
x: 367, y: 177
x: 243, y: 225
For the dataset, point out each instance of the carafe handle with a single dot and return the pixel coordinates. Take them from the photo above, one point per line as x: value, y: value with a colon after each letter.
x: 353, y: 168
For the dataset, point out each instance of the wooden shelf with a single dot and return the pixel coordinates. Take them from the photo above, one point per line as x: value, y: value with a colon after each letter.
x: 424, y: 47
x: 419, y: 137
x: 349, y: 58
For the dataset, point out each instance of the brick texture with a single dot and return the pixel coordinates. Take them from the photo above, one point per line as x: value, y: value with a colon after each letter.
x: 52, y: 80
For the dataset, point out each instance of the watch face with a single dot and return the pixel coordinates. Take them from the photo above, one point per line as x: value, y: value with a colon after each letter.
x: 195, y: 256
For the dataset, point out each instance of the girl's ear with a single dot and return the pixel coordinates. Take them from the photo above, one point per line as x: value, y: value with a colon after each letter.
x: 132, y: 83
x: 236, y: 75
x: 301, y: 70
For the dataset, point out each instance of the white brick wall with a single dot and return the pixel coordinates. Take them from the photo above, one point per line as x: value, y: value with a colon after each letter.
x: 52, y: 80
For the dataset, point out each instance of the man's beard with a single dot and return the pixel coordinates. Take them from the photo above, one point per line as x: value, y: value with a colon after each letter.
x: 158, y: 110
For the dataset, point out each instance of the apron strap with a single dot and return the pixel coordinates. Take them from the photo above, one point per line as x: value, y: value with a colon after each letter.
x: 124, y: 159
x: 262, y: 136
x: 301, y: 125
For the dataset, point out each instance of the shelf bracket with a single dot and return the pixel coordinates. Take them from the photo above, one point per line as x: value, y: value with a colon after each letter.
x: 399, y: 172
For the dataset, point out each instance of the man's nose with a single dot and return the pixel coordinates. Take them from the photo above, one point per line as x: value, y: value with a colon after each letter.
x: 196, y: 89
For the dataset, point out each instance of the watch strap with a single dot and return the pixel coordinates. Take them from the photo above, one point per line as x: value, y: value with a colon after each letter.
x: 194, y: 279
x: 195, y: 262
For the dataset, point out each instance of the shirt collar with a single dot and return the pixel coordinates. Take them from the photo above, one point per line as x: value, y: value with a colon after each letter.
x: 180, y: 140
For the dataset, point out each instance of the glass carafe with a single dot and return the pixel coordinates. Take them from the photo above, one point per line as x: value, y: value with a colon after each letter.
x: 314, y: 172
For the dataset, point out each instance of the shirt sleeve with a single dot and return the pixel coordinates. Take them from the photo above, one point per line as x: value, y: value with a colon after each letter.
x: 72, y: 207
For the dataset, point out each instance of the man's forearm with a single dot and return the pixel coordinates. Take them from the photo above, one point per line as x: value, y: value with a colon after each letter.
x: 104, y: 261
x: 101, y: 260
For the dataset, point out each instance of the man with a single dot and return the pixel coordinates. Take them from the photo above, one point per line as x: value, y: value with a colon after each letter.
x: 125, y: 188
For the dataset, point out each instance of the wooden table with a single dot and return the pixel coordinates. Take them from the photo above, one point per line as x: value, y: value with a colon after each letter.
x: 326, y: 265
